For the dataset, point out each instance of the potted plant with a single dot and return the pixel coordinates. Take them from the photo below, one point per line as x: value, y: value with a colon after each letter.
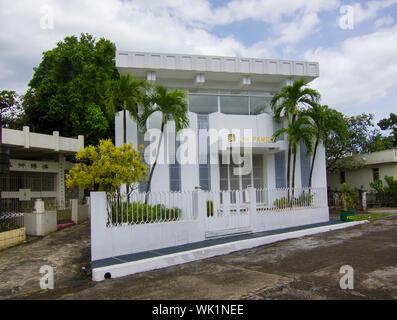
x: 348, y: 202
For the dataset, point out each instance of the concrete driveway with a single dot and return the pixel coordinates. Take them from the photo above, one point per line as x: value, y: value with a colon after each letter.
x: 304, y: 268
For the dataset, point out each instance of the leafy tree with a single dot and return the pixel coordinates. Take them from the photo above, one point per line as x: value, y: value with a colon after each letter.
x: 390, y: 124
x: 10, y: 109
x: 301, y: 129
x: 325, y: 121
x: 172, y: 106
x: 67, y: 91
x: 288, y: 102
x: 362, y: 137
x: 106, y: 168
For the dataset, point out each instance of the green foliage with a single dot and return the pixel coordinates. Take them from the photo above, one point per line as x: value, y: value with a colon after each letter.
x: 377, y: 185
x: 67, y: 91
x: 126, y: 93
x: 302, y: 201
x: 6, y: 226
x: 10, y: 109
x: 292, y: 99
x: 348, y: 197
x: 173, y: 106
x: 210, y: 208
x: 106, y: 168
x: 390, y: 124
x: 390, y: 189
x: 362, y: 137
x: 142, y: 213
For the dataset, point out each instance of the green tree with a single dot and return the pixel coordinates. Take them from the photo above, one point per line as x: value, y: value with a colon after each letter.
x: 288, y: 102
x: 67, y: 91
x: 325, y: 121
x: 362, y: 137
x: 10, y: 109
x: 390, y: 124
x: 301, y: 129
x: 127, y: 93
x: 172, y: 106
x: 106, y: 168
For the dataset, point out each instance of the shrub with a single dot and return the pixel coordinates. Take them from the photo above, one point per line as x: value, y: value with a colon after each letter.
x: 210, y: 208
x: 138, y: 212
x: 348, y: 197
x: 301, y: 201
x: 6, y: 226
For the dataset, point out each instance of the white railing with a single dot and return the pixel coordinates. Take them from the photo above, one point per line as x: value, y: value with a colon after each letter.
x: 120, y: 227
x: 281, y: 199
x: 153, y: 207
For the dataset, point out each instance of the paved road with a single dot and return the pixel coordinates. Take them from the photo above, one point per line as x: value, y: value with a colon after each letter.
x: 304, y: 268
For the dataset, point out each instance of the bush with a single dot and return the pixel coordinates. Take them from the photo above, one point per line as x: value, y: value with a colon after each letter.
x: 301, y: 201
x: 139, y: 212
x: 6, y: 226
x: 210, y: 208
x: 348, y: 197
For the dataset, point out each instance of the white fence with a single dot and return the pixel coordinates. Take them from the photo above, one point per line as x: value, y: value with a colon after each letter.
x: 166, y: 219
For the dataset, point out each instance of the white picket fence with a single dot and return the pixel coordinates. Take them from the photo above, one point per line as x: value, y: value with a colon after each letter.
x: 166, y: 219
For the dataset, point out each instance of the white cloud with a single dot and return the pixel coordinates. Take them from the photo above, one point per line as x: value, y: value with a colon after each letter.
x: 370, y: 12
x: 156, y: 25
x: 359, y: 71
x: 384, y: 21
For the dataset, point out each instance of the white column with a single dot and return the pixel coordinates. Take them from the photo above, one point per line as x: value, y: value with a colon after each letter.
x: 61, y: 181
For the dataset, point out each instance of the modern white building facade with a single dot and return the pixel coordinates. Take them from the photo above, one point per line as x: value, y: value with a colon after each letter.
x: 229, y: 113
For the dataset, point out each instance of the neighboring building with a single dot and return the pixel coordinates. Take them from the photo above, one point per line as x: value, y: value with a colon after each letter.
x: 37, y: 168
x: 223, y: 93
x: 376, y: 165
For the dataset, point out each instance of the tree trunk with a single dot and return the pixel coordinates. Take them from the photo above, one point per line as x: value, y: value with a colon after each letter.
x: 155, y: 161
x: 289, y: 171
x: 293, y: 179
x: 125, y: 141
x: 312, y: 166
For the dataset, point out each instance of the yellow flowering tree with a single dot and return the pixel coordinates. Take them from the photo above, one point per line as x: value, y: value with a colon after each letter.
x: 106, y: 168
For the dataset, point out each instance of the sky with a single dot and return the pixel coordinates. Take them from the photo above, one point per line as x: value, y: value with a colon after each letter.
x: 354, y: 42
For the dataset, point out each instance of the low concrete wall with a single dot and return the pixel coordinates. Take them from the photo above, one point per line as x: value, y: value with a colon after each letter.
x: 111, y: 241
x: 12, y: 237
x: 40, y: 224
x: 80, y: 212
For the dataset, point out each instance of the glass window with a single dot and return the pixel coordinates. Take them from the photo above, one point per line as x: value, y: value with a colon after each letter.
x: 203, y: 103
x: 305, y: 165
x: 279, y: 161
x: 260, y: 105
x: 375, y: 174
x: 234, y: 104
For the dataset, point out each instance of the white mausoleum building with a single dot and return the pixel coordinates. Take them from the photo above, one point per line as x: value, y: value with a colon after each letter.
x: 37, y: 167
x: 230, y: 96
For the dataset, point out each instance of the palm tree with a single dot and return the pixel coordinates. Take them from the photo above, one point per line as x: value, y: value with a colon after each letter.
x: 127, y: 93
x: 301, y: 129
x: 173, y: 106
x: 288, y: 102
x: 325, y: 120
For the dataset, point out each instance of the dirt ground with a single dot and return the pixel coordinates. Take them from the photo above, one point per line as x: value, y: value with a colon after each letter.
x: 304, y: 268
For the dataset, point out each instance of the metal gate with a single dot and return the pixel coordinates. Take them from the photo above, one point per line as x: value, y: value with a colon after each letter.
x: 227, y: 213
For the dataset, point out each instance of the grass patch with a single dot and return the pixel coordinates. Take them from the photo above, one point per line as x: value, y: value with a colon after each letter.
x: 371, y: 216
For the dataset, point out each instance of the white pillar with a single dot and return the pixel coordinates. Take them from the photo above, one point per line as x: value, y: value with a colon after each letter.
x: 61, y: 181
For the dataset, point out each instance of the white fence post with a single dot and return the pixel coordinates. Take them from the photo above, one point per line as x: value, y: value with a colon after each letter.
x: 200, y: 209
x: 252, y: 207
x: 74, y: 206
x: 101, y: 239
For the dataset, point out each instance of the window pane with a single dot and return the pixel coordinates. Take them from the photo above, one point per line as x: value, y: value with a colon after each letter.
x: 203, y: 103
x: 279, y: 161
x: 234, y: 104
x: 260, y: 105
